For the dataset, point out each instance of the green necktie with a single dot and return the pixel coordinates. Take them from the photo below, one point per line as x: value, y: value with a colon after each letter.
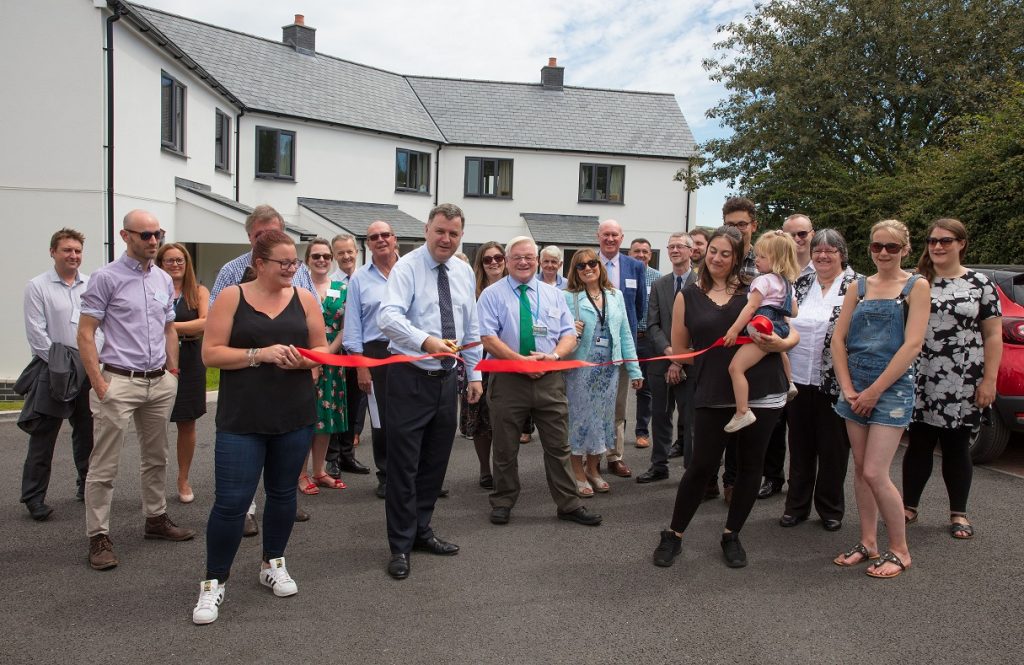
x: 527, y: 345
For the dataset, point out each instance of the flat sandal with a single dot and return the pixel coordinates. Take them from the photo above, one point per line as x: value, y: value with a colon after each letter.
x: 856, y: 549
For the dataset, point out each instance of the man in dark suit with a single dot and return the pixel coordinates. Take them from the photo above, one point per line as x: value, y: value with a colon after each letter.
x: 627, y: 275
x: 670, y: 389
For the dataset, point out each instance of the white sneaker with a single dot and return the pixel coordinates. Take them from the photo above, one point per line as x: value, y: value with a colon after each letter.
x: 738, y: 421
x: 792, y: 392
x: 211, y: 595
x: 277, y: 578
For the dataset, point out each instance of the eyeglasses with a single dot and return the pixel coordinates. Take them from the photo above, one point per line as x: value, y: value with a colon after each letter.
x: 742, y: 226
x: 524, y: 257
x: 287, y: 264
x: 149, y: 235
x: 678, y: 247
x: 383, y: 235
x: 890, y: 247
x: 494, y: 258
x: 174, y: 262
x: 583, y: 265
x: 824, y: 250
x: 321, y: 257
x: 800, y: 234
x: 945, y: 242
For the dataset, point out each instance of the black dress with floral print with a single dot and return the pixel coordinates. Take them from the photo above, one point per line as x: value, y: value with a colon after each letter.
x: 828, y: 384
x: 952, y: 359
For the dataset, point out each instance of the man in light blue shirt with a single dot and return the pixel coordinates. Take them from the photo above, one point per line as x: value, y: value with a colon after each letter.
x: 362, y: 336
x: 430, y: 308
x: 522, y: 318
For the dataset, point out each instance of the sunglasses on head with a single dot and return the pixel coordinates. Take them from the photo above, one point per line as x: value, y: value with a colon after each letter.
x: 321, y: 257
x: 494, y: 258
x: 383, y: 235
x: 945, y: 242
x: 148, y: 235
x: 800, y: 234
x: 890, y: 247
x: 583, y: 265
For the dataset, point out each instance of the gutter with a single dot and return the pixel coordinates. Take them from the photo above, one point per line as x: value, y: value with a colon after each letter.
x: 437, y: 175
x: 238, y: 154
x: 109, y: 51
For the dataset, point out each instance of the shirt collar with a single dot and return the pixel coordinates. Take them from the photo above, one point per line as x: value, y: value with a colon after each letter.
x: 133, y: 264
x: 515, y: 283
x: 54, y: 277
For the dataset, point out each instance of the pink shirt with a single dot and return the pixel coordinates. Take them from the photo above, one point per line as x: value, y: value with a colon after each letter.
x: 772, y: 289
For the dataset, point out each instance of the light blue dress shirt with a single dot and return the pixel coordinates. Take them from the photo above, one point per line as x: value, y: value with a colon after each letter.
x: 498, y: 310
x: 366, y: 291
x: 410, y: 313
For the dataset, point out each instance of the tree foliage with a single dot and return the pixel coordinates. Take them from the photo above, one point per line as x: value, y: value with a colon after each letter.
x: 855, y: 110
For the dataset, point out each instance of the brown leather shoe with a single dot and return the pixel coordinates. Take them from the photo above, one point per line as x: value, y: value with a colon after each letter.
x: 163, y: 528
x: 101, y: 552
x: 619, y: 469
x: 643, y: 441
x: 251, y: 528
x: 301, y: 515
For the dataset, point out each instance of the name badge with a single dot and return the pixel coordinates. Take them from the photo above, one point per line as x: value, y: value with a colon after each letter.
x: 630, y: 283
x: 539, y: 330
x: 601, y: 341
x: 74, y: 316
x: 161, y: 297
x: 333, y: 293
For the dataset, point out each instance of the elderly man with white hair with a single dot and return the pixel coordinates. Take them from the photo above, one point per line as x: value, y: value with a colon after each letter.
x: 551, y: 267
x: 522, y: 318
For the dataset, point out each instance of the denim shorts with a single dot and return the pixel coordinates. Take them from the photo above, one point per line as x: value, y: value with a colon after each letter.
x: 779, y: 324
x: 894, y: 407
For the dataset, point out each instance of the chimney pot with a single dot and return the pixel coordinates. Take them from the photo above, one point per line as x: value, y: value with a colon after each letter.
x: 300, y: 19
x: 552, y: 62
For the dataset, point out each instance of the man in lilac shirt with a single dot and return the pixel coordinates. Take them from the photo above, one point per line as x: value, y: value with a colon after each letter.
x: 131, y: 301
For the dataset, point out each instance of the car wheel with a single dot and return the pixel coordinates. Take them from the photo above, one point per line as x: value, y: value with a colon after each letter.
x: 988, y: 443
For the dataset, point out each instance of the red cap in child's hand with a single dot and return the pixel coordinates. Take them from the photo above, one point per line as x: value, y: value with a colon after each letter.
x: 762, y: 324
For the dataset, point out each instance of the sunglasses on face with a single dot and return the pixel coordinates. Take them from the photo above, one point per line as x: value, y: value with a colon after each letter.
x: 494, y: 258
x: 890, y: 247
x: 321, y: 257
x: 383, y: 235
x: 583, y: 265
x: 148, y: 235
x: 945, y: 242
x: 800, y: 234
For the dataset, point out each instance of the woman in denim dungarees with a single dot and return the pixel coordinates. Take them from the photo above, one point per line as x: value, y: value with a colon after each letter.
x: 874, y: 347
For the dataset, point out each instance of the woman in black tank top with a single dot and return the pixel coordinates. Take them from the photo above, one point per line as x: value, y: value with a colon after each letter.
x: 703, y: 313
x: 265, y: 412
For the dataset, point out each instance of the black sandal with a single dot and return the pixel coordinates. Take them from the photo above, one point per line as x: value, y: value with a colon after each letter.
x: 913, y: 517
x: 856, y: 549
x: 887, y: 557
x: 960, y: 530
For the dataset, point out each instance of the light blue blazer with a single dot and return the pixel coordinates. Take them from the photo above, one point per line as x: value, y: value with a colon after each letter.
x: 618, y: 326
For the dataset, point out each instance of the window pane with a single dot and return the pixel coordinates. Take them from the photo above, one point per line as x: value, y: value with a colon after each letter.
x: 402, y: 169
x: 166, y: 109
x: 586, y: 182
x: 473, y: 177
x: 423, y: 179
x: 505, y: 177
x: 285, y: 147
x: 490, y: 177
x: 601, y: 183
x: 266, y: 150
x: 615, y: 184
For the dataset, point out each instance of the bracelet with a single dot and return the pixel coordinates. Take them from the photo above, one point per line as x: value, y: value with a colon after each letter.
x: 251, y: 355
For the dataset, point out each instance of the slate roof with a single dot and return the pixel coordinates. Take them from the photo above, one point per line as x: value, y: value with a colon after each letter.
x: 270, y: 76
x: 526, y: 115
x: 354, y: 216
x: 204, y: 191
x: 548, y: 229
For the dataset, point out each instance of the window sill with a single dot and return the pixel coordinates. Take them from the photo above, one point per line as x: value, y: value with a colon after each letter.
x: 612, y: 203
x: 399, y: 190
x: 218, y: 169
x: 487, y: 196
x: 172, y: 151
x: 270, y: 176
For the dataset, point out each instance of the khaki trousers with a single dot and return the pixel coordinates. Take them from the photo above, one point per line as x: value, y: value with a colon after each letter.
x: 149, y: 402
x: 620, y: 416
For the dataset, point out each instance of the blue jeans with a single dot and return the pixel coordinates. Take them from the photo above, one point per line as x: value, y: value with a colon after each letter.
x: 239, y: 459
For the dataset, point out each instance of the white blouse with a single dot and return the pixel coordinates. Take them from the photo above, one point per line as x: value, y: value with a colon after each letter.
x: 812, y: 324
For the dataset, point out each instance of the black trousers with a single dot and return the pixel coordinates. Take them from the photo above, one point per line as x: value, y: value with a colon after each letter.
x: 819, y: 452
x: 644, y: 397
x: 35, y: 477
x: 422, y: 420
x: 774, y: 457
x: 957, y: 467
x: 750, y: 444
x: 342, y: 444
x: 664, y: 400
x: 379, y: 376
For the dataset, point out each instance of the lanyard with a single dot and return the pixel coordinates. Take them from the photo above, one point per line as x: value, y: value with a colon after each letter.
x: 514, y: 285
x: 604, y: 303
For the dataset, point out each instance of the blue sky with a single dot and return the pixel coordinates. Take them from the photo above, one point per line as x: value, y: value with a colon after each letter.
x: 636, y: 45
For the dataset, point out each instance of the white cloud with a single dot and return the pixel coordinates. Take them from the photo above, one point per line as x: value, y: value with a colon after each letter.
x: 655, y: 45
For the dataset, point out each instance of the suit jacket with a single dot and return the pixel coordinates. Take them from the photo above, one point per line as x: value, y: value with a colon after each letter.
x: 659, y: 311
x: 633, y: 285
x: 50, y: 389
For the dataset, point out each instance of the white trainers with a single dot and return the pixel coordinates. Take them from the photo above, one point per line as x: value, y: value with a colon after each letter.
x: 739, y: 421
x: 792, y: 392
x: 277, y: 578
x: 211, y: 595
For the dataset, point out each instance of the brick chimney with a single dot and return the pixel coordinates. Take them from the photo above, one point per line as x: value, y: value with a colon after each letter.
x: 552, y: 76
x: 300, y: 36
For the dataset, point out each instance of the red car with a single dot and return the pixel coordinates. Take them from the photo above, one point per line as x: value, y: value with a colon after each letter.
x: 1008, y: 410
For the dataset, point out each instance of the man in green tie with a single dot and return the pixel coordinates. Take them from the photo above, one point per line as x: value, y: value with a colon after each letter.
x: 522, y: 318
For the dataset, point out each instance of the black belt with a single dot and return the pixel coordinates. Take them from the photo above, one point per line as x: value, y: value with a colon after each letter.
x: 641, y: 334
x: 133, y: 373
x: 429, y: 372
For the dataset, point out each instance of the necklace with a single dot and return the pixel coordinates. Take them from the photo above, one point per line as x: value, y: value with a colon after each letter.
x: 724, y: 288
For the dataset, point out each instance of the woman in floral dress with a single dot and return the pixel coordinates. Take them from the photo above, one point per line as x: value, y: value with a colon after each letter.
x: 331, y: 415
x: 956, y: 373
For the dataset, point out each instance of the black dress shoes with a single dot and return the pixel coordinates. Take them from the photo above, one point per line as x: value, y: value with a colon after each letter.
x: 769, y: 488
x: 675, y: 450
x: 443, y: 494
x: 711, y: 491
x: 832, y: 525
x: 487, y: 481
x: 301, y: 515
x: 581, y: 516
x: 382, y: 490
x: 39, y: 510
x: 790, y: 520
x: 333, y: 469
x: 435, y: 545
x: 652, y: 475
x: 353, y: 466
x: 398, y: 567
x: 500, y: 515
